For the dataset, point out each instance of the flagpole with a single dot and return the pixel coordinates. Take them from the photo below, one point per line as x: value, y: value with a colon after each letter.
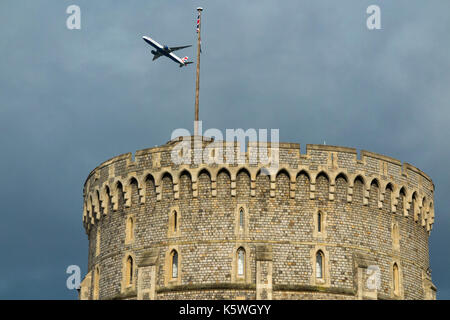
x: 197, y: 82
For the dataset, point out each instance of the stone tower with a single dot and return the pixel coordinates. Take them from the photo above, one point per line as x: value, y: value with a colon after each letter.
x: 323, y: 225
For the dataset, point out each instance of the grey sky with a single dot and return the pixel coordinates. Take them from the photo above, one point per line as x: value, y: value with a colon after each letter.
x: 70, y: 100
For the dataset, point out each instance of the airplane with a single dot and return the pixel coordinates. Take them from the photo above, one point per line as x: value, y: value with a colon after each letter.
x: 166, y: 51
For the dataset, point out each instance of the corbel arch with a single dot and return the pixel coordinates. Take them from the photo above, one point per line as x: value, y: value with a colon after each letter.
x: 389, y: 186
x: 208, y: 173
x: 250, y: 171
x: 415, y: 205
x: 303, y: 185
x: 105, y: 197
x: 262, y: 182
x: 320, y: 173
x: 159, y: 183
x: 376, y: 182
x: 314, y: 183
x: 402, y: 195
x: 163, y: 174
x: 291, y: 183
x: 251, y: 180
x: 117, y: 188
x: 205, y: 170
x: 231, y: 176
x: 231, y: 173
x: 131, y: 179
x: 286, y: 171
x: 305, y: 172
x: 339, y: 174
x: 365, y: 193
x: 422, y: 211
x: 184, y: 172
x: 359, y: 177
x: 430, y: 220
x: 89, y: 208
x: 344, y: 176
x: 85, y: 213
x: 146, y: 177
x: 97, y: 203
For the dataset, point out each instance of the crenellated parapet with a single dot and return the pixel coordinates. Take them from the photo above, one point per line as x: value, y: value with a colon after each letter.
x: 401, y: 182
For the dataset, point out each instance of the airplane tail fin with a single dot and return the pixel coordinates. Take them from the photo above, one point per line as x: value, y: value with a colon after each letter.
x: 185, y: 61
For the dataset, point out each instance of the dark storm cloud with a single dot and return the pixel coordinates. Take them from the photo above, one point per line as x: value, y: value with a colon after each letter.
x: 72, y: 99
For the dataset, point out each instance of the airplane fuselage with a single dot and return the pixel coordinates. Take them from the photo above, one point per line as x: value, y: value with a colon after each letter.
x: 161, y: 50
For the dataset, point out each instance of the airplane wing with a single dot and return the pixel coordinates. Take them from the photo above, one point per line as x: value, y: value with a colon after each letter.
x: 178, y: 48
x: 156, y: 56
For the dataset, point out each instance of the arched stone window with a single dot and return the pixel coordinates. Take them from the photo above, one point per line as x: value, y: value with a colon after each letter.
x: 129, y: 230
x: 319, y: 264
x: 129, y: 271
x: 395, y: 237
x: 395, y: 279
x: 241, y: 223
x: 175, y: 221
x: 96, y: 283
x: 319, y: 222
x: 241, y: 219
x: 174, y: 264
x: 241, y: 262
x: 97, y: 241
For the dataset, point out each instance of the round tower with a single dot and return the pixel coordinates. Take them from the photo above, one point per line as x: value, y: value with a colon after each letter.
x: 323, y: 224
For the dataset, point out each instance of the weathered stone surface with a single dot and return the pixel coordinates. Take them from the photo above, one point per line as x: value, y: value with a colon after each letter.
x: 360, y: 201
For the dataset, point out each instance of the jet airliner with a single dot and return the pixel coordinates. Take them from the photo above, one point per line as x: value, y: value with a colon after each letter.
x: 166, y: 51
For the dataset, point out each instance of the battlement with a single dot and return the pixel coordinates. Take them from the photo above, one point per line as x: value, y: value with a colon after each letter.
x: 289, y: 153
x: 368, y: 204
x: 332, y: 161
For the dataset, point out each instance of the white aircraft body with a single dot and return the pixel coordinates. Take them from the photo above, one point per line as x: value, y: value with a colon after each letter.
x: 166, y: 51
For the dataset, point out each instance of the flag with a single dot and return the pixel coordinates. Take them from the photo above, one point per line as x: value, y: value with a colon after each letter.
x: 198, y: 29
x: 198, y: 23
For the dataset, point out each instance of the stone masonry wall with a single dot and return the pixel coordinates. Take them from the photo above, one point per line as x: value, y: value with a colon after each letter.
x: 360, y: 201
